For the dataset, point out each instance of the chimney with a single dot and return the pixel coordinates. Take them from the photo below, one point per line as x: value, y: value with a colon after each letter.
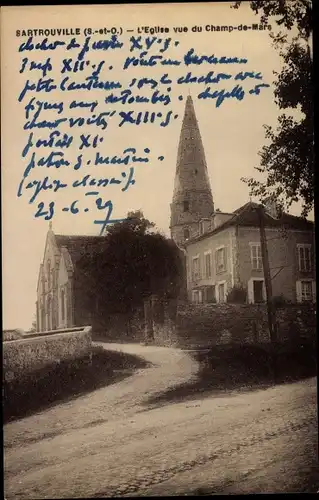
x: 272, y: 207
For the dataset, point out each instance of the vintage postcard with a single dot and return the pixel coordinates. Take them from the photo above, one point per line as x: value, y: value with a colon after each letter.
x: 159, y: 274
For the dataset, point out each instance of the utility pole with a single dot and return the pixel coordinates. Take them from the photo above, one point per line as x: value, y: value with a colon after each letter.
x: 268, y: 284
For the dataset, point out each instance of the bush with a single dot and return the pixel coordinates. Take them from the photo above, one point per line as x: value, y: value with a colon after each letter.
x: 237, y: 295
x: 280, y: 300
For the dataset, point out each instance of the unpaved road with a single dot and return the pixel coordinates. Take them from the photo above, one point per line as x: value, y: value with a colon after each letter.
x: 111, y: 443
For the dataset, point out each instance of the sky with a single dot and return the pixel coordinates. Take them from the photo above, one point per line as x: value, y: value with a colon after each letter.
x: 232, y: 134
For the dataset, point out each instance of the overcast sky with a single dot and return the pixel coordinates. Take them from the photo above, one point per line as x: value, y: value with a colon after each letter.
x: 232, y: 134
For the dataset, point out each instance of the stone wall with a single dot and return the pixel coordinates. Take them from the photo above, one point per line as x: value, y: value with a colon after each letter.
x: 210, y: 324
x: 164, y: 331
x: 205, y: 325
x: 24, y: 357
x: 12, y: 334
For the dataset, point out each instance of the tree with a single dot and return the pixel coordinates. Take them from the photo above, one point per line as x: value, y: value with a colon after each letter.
x: 288, y: 161
x: 34, y: 325
x: 132, y: 263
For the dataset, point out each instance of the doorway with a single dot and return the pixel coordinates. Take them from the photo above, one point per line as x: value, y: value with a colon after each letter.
x: 258, y: 288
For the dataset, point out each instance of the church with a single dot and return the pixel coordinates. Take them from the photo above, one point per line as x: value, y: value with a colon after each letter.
x: 59, y: 301
x: 222, y: 249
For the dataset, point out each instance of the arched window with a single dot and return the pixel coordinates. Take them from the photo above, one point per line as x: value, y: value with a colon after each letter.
x: 62, y: 304
x: 49, y: 274
x: 49, y: 313
x: 186, y: 234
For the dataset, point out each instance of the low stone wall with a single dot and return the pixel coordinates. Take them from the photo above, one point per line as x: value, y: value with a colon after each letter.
x: 12, y: 335
x: 206, y: 325
x: 24, y: 357
x: 213, y: 324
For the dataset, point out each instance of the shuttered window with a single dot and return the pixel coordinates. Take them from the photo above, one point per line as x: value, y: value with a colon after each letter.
x: 221, y: 260
x: 256, y: 258
x: 196, y: 268
x: 304, y: 255
x: 208, y: 265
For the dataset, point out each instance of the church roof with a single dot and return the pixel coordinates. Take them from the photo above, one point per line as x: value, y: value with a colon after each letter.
x: 191, y: 185
x: 191, y: 168
x: 247, y: 215
x: 78, y: 245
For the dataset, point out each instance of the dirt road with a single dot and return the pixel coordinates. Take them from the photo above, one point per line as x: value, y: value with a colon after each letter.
x: 111, y: 443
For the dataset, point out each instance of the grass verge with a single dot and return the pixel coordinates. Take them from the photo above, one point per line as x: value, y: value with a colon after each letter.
x: 232, y: 368
x: 66, y: 381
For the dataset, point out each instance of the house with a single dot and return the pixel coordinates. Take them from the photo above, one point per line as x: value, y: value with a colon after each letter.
x: 61, y: 302
x: 227, y: 252
x: 223, y: 249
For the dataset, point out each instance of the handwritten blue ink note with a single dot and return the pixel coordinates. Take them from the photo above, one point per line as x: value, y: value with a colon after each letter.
x: 74, y: 90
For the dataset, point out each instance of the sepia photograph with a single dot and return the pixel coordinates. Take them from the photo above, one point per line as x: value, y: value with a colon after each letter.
x: 158, y: 250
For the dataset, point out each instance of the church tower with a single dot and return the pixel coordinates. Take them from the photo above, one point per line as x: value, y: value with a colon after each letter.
x: 192, y: 197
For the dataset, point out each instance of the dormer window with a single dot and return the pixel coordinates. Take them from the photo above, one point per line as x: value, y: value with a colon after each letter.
x: 186, y: 206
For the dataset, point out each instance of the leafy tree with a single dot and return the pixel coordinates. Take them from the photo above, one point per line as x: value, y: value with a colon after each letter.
x: 132, y: 263
x: 34, y: 326
x: 288, y: 160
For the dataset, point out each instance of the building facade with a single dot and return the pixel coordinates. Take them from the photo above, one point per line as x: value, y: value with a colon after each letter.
x: 228, y: 254
x: 223, y: 250
x: 60, y: 302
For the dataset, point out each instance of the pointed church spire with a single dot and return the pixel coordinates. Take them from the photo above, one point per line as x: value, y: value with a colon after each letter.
x: 192, y: 197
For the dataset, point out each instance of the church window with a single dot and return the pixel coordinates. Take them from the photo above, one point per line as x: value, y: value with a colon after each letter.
x: 49, y: 274
x: 62, y: 305
x: 186, y: 234
x: 186, y: 206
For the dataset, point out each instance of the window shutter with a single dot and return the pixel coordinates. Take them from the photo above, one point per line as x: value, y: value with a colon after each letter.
x: 225, y: 259
x: 309, y: 258
x: 313, y: 283
x: 298, y: 291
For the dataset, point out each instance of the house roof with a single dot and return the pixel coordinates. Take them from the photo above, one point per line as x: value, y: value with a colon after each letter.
x: 78, y: 245
x: 247, y: 215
